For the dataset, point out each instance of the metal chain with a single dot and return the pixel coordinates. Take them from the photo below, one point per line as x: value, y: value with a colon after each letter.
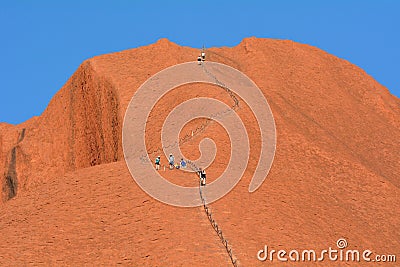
x: 200, y: 129
x: 206, y: 207
x: 213, y: 223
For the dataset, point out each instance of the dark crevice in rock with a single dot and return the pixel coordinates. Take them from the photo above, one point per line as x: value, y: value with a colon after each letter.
x: 21, y: 135
x: 11, y: 184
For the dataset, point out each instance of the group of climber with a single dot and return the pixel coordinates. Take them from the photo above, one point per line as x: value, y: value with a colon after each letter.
x: 202, y: 57
x: 182, y: 164
x: 171, y: 161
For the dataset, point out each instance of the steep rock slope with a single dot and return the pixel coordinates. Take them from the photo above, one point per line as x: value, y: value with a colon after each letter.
x: 336, y: 172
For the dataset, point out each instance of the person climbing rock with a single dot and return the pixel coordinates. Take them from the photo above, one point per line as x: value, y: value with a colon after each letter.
x: 203, y: 55
x: 171, y: 162
x: 183, y: 163
x: 202, y: 174
x: 157, y: 162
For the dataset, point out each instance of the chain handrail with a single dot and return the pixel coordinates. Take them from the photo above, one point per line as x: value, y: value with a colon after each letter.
x: 212, y: 221
x: 187, y: 137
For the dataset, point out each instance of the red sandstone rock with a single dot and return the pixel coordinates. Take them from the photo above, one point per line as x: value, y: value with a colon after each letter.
x: 336, y: 172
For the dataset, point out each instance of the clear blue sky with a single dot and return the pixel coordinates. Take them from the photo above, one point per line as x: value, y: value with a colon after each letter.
x: 43, y: 42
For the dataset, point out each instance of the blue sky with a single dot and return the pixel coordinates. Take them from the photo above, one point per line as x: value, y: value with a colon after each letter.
x: 43, y: 42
